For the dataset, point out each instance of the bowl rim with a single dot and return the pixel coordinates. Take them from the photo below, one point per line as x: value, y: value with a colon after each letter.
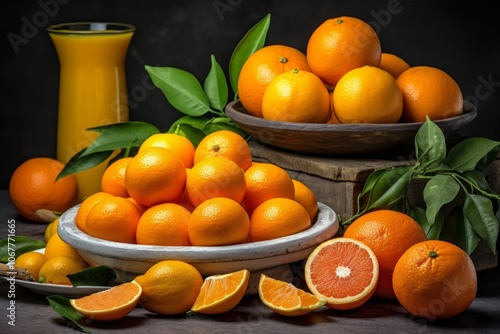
x: 325, y: 227
x: 469, y: 113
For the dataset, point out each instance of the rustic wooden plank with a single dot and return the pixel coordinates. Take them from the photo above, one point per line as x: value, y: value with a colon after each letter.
x: 331, y: 168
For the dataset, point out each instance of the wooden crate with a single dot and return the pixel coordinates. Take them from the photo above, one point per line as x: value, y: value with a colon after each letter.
x: 337, y: 182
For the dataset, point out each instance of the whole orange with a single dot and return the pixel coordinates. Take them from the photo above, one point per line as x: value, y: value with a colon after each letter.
x: 276, y: 218
x: 113, y: 218
x: 261, y: 67
x: 306, y: 197
x: 389, y: 234
x: 218, y: 221
x: 393, y: 64
x: 296, y: 96
x: 177, y: 144
x: 113, y: 178
x: 429, y: 91
x: 33, y: 186
x: 341, y: 44
x: 215, y: 177
x: 265, y: 181
x: 368, y: 94
x: 155, y: 175
x: 85, y: 206
x: 435, y: 279
x: 164, y: 224
x: 226, y: 144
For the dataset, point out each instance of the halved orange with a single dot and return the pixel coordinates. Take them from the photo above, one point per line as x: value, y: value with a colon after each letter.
x: 344, y: 271
x: 221, y: 293
x: 286, y: 299
x: 108, y: 305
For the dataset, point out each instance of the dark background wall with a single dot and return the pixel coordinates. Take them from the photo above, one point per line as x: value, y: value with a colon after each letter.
x: 460, y: 39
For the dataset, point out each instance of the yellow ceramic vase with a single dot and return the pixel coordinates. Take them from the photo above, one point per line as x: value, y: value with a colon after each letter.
x: 92, y: 88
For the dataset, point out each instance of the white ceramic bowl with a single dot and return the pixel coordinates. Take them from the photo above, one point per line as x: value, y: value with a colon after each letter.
x: 130, y: 260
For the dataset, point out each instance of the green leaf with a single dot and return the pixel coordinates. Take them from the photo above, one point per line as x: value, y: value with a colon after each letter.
x: 78, y: 163
x: 126, y: 152
x: 367, y: 188
x: 371, y: 180
x: 467, y: 154
x: 477, y: 179
x: 436, y: 227
x: 439, y: 190
x: 224, y: 123
x: 94, y: 276
x: 191, y: 128
x: 215, y: 86
x: 121, y: 135
x: 471, y: 238
x: 479, y: 212
x: 12, y: 247
x: 419, y: 215
x: 488, y: 159
x: 63, y: 307
x: 390, y: 187
x: 458, y: 230
x: 182, y: 90
x: 253, y: 40
x: 430, y: 145
x: 195, y: 122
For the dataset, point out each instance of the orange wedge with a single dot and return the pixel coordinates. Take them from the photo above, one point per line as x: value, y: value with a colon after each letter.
x: 344, y: 271
x: 108, y: 305
x: 286, y: 299
x: 221, y: 293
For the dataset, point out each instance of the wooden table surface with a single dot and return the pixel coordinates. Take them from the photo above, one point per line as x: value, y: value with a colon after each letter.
x: 33, y: 313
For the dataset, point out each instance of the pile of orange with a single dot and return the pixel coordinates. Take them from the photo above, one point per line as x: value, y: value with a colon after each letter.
x: 386, y: 254
x: 344, y: 77
x: 211, y: 195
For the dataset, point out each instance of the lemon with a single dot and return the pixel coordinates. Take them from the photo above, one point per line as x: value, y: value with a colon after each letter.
x: 56, y: 269
x: 32, y: 262
x: 170, y: 287
x: 58, y: 247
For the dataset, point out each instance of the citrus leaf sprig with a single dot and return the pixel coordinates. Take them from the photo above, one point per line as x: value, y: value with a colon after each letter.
x: 124, y: 138
x: 203, y: 106
x: 458, y: 204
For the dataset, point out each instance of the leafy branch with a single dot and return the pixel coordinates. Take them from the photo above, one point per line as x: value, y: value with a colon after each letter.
x: 458, y: 204
x: 203, y: 106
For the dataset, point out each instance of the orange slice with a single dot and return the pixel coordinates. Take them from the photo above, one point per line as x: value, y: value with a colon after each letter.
x: 221, y: 293
x: 286, y: 299
x: 344, y: 271
x: 108, y: 305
